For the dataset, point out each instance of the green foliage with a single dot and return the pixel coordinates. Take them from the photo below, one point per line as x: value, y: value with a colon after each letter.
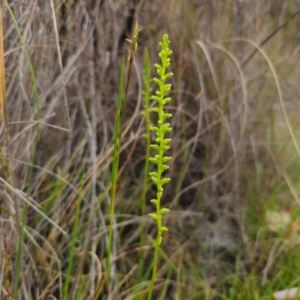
x: 226, y: 122
x: 161, y: 145
x: 122, y: 100
x: 72, y: 246
x: 146, y: 93
x: 114, y: 173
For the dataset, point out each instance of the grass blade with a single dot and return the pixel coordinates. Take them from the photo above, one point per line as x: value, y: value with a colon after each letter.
x: 114, y: 173
x: 38, y: 117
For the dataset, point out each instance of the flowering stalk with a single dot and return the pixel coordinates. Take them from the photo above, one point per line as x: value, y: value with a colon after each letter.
x: 161, y: 146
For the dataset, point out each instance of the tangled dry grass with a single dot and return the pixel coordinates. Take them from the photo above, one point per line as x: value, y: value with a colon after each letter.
x: 235, y: 83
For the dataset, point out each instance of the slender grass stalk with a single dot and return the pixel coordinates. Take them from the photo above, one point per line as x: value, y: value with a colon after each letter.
x: 146, y: 93
x: 38, y: 117
x: 128, y: 76
x: 114, y: 172
x: 129, y: 71
x: 121, y: 106
x: 6, y: 162
x: 2, y: 76
x: 166, y: 285
x: 6, y: 267
x: 161, y: 146
x: 73, y: 239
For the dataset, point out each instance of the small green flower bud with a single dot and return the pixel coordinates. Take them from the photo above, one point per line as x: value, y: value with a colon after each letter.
x: 153, y: 216
x: 164, y: 211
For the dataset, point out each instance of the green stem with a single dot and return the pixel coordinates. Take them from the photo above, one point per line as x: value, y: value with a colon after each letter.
x: 146, y: 93
x: 117, y: 145
x: 114, y: 174
x: 160, y: 147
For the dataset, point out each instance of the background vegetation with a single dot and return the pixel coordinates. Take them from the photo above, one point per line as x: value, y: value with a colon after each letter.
x: 235, y: 166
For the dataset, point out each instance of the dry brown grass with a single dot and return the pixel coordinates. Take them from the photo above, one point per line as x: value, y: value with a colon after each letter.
x: 229, y: 138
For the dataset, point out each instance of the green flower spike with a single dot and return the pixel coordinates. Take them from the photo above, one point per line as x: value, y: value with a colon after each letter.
x: 161, y: 145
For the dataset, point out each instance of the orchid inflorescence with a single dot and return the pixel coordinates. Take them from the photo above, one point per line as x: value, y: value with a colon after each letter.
x: 161, y: 144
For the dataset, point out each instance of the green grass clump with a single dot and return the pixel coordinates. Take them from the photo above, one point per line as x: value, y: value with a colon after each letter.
x: 81, y: 162
x: 161, y: 145
x: 120, y: 114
